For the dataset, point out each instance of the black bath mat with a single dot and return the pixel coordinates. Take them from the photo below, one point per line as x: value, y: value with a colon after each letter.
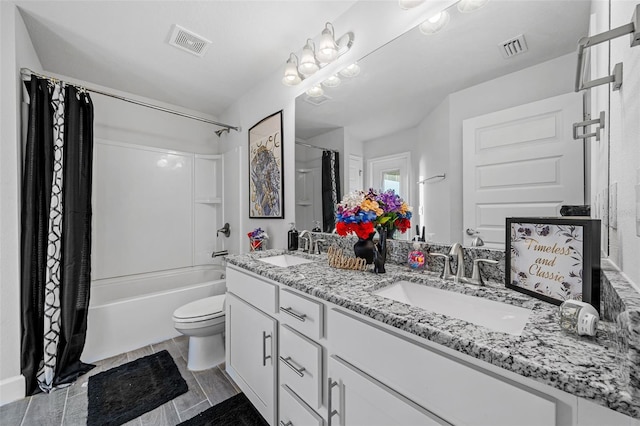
x: 235, y: 411
x: 130, y: 390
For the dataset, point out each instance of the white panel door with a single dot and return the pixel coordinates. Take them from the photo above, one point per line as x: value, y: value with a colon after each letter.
x: 521, y: 161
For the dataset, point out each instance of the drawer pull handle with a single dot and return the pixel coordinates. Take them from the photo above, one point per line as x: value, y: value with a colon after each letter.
x: 290, y: 311
x: 288, y: 363
x: 330, y: 412
x: 265, y: 357
x: 286, y: 424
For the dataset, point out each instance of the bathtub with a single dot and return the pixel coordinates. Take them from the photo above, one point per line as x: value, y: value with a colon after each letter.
x: 131, y: 312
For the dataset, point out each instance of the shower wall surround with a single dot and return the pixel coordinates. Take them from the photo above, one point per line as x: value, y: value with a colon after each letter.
x: 154, y: 209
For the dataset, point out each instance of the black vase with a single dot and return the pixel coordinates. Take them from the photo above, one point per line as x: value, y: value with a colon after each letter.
x: 381, y: 252
x: 365, y: 248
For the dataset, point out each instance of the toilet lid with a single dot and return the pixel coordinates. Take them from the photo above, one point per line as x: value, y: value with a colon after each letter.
x: 201, y: 310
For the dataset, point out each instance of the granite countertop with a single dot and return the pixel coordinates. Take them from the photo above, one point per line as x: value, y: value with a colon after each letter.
x: 595, y: 368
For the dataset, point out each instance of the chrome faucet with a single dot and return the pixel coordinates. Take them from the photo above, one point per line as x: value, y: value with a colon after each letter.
x: 306, y: 236
x: 446, y: 270
x: 456, y: 250
x: 316, y: 245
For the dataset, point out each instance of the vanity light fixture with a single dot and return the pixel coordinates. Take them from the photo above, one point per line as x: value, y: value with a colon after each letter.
x: 308, y: 64
x: 409, y: 4
x: 291, y: 75
x: 435, y: 24
x: 329, y: 49
x: 332, y: 81
x: 315, y: 91
x: 468, y: 6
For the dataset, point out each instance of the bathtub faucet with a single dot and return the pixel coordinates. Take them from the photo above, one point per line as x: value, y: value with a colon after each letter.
x: 220, y: 253
x: 225, y: 230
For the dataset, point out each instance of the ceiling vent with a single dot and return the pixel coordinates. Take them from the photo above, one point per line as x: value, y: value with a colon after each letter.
x: 188, y: 41
x: 317, y: 100
x: 513, y: 47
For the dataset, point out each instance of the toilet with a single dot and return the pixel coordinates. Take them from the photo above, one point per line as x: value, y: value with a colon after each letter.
x: 203, y: 322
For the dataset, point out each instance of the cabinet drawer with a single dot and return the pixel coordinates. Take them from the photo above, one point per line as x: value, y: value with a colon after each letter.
x: 294, y: 412
x: 302, y: 314
x: 301, y: 366
x: 261, y: 294
x: 452, y: 389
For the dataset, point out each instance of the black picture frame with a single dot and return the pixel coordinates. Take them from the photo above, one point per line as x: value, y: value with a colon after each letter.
x: 554, y: 259
x: 266, y: 168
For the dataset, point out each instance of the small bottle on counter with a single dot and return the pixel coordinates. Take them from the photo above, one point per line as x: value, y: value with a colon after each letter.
x: 292, y: 238
x: 416, y: 257
x: 578, y: 317
x: 316, y: 228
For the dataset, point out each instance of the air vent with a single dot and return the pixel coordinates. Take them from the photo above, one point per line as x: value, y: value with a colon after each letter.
x: 317, y: 100
x: 188, y: 41
x: 513, y: 47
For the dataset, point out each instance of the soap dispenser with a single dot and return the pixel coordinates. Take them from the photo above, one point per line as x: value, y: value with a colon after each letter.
x: 292, y: 238
x: 416, y: 257
x: 317, y: 228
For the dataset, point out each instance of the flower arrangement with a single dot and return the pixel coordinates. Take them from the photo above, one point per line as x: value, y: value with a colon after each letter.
x: 256, y: 238
x: 360, y: 212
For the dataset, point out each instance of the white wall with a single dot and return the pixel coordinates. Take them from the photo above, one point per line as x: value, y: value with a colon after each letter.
x: 625, y: 147
x: 16, y: 51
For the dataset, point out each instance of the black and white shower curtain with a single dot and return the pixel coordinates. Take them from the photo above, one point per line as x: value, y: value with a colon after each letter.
x: 330, y: 189
x: 56, y: 234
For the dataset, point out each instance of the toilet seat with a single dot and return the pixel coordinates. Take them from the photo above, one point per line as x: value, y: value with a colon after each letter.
x: 200, y: 310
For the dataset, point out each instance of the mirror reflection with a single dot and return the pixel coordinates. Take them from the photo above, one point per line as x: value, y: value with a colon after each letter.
x: 468, y: 128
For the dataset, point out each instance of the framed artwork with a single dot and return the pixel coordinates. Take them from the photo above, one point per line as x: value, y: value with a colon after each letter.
x: 554, y: 259
x: 266, y: 183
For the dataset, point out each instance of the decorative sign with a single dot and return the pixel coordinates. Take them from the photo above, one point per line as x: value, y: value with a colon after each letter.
x: 554, y: 259
x: 266, y: 183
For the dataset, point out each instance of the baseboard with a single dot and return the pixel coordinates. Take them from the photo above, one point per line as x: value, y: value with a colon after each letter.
x: 12, y: 389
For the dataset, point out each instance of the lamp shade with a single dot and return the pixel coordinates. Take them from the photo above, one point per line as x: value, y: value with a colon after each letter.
x: 327, y: 48
x: 315, y: 91
x: 435, y: 24
x: 308, y: 64
x: 291, y: 76
x: 408, y: 4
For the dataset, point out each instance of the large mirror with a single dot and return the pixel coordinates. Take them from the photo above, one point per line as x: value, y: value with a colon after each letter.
x: 466, y: 119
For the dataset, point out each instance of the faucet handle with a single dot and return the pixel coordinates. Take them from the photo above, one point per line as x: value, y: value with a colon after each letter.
x: 316, y: 246
x: 446, y: 270
x: 476, y: 276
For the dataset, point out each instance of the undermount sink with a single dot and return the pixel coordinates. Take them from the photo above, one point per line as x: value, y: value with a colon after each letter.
x: 496, y: 316
x: 285, y: 260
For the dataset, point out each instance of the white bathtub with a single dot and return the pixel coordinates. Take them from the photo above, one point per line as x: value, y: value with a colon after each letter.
x: 130, y: 312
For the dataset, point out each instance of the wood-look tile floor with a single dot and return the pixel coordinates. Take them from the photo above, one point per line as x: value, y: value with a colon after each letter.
x: 68, y: 406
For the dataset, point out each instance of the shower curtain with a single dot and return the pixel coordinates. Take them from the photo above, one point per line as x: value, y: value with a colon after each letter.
x: 330, y: 189
x: 56, y: 234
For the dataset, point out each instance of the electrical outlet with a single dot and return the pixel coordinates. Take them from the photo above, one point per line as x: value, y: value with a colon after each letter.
x: 613, y: 205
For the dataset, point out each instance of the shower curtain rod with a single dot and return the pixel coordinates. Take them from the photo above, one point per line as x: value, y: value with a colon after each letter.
x: 316, y: 147
x: 26, y: 72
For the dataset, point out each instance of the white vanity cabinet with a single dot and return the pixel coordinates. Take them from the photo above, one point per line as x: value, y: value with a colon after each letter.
x: 357, y: 399
x: 251, y: 341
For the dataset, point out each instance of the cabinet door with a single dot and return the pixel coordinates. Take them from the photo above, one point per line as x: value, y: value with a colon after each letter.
x: 356, y: 398
x: 251, y: 354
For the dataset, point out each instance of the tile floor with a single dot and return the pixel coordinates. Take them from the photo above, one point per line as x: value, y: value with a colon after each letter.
x: 68, y: 406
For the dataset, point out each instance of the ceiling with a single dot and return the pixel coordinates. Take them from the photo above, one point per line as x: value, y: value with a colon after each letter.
x: 123, y: 44
x: 402, y: 82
